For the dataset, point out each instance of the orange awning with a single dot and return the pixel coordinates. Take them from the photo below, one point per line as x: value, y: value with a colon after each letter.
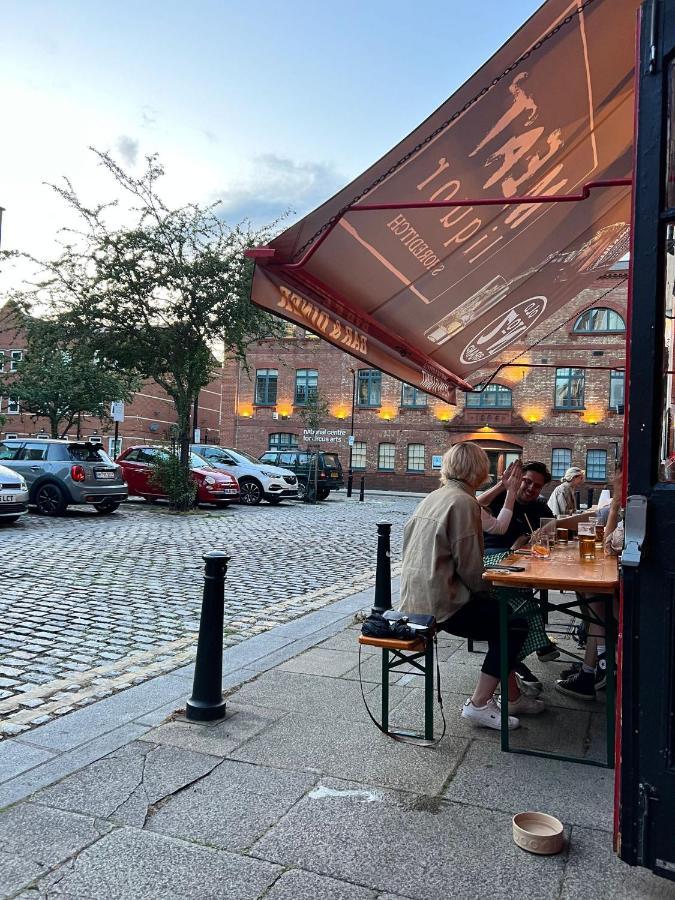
x: 429, y: 266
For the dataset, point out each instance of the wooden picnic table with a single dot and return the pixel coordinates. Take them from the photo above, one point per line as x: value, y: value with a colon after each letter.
x: 563, y: 571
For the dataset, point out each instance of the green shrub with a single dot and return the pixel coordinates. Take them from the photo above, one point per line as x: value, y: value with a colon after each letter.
x: 178, y: 485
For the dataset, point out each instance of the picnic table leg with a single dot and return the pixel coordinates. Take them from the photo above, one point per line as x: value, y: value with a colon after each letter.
x: 385, y: 689
x: 610, y: 644
x: 503, y: 648
x: 429, y: 690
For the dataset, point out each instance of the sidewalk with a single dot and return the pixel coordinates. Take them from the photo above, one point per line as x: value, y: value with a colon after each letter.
x: 296, y: 795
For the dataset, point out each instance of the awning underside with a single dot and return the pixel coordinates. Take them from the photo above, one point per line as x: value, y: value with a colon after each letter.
x: 432, y: 294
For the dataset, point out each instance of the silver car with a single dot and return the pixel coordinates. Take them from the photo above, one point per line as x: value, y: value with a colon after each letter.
x: 13, y: 496
x: 61, y: 473
x: 256, y: 481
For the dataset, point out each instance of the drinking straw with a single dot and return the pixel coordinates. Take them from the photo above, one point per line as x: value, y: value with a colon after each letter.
x: 529, y: 524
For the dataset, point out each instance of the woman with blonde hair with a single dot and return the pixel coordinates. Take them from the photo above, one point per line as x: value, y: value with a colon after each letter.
x: 442, y: 576
x: 562, y: 501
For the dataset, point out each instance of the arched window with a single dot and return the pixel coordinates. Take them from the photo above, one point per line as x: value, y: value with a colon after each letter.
x: 599, y: 321
x: 495, y: 396
x: 282, y: 440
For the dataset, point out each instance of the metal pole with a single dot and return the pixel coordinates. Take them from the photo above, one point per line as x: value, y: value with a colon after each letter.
x: 350, y: 472
x: 577, y: 499
x: 206, y: 702
x: 591, y: 492
x: 383, y: 569
x: 195, y: 419
x: 362, y: 488
x: 117, y: 431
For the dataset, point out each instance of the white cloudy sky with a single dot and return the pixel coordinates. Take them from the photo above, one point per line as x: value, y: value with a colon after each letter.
x: 265, y: 106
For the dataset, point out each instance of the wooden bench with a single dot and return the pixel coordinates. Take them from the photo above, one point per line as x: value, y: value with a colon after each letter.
x: 416, y: 653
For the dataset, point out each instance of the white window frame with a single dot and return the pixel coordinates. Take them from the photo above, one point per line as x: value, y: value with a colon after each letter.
x: 15, y: 358
x: 359, y: 455
x: 13, y: 406
x: 390, y: 451
x: 412, y: 460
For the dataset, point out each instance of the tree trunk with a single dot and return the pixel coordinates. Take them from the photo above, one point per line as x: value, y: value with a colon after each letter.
x: 183, y: 409
x: 54, y: 426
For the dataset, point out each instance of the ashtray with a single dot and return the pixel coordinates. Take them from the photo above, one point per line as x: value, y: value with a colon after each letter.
x: 538, y: 832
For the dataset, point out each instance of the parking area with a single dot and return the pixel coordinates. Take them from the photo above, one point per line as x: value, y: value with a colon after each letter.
x: 90, y: 605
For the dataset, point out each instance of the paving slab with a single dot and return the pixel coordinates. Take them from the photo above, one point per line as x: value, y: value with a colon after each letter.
x: 129, y: 863
x: 300, y: 885
x: 233, y: 806
x: 421, y: 847
x: 357, y: 751
x: 46, y: 836
x: 123, y: 786
x: 17, y: 757
x: 17, y: 872
x: 216, y: 738
x: 66, y: 763
x: 320, y: 661
x: 575, y: 794
x: 594, y: 870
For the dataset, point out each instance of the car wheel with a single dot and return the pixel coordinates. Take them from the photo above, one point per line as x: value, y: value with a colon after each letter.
x: 105, y: 507
x: 323, y: 493
x: 250, y: 492
x: 274, y: 501
x: 50, y: 500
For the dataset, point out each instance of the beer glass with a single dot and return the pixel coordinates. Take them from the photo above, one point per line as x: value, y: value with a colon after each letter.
x: 562, y: 534
x: 586, y: 534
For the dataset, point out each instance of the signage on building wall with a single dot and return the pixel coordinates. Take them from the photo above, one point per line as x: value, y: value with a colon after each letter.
x: 436, y: 462
x: 324, y: 435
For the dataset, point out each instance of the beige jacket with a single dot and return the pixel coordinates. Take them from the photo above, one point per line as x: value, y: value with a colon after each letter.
x: 442, y: 553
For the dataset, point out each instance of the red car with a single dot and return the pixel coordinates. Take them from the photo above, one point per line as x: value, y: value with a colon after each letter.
x: 213, y: 486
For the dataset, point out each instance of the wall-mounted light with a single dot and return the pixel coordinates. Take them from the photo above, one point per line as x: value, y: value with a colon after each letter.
x: 387, y: 413
x: 445, y: 413
x: 246, y: 410
x: 340, y: 411
x: 533, y: 414
x: 592, y: 416
x: 284, y: 409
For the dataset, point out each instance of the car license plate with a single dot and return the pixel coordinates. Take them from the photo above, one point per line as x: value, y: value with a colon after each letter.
x: 8, y: 498
x: 104, y: 476
x: 333, y: 474
x: 230, y: 491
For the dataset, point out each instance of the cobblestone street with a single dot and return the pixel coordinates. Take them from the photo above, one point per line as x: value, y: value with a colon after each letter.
x: 91, y: 605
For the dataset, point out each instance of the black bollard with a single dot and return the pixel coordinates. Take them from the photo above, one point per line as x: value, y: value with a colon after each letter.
x: 350, y: 482
x: 383, y: 570
x: 362, y: 489
x: 577, y: 499
x: 591, y: 492
x: 206, y: 702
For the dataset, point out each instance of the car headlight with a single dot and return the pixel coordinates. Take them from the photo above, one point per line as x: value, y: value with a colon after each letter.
x: 269, y: 474
x: 209, y: 480
x: 22, y: 485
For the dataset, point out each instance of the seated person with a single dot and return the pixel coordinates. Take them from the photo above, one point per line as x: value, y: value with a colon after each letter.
x: 442, y: 576
x: 562, y: 501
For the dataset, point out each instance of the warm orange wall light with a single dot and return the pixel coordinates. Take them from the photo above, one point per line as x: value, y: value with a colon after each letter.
x: 387, y: 413
x: 445, y: 413
x: 593, y: 416
x: 246, y: 410
x: 285, y: 409
x: 340, y: 411
x: 533, y: 414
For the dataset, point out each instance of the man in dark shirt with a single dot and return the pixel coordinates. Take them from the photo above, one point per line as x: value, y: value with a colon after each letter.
x: 528, y: 504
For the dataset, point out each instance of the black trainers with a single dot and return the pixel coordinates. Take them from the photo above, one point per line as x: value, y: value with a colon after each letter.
x: 573, y: 669
x: 527, y: 680
x: 581, y: 685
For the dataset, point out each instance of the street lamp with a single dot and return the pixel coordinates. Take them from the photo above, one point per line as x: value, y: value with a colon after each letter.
x: 350, y: 473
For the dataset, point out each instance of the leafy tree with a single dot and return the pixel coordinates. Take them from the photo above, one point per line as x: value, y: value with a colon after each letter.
x: 62, y: 378
x: 162, y: 296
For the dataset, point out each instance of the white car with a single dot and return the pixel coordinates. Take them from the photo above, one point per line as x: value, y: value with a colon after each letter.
x: 13, y: 495
x: 257, y: 481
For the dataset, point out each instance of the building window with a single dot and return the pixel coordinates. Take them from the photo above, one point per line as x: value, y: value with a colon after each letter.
x: 13, y: 408
x: 369, y: 388
x: 596, y: 465
x: 2, y: 360
x: 359, y: 455
x: 599, y: 321
x: 616, y: 390
x: 16, y: 357
x: 415, y: 459
x: 266, y: 387
x: 306, y: 386
x: 561, y: 460
x: 412, y: 396
x: 386, y: 455
x: 494, y: 396
x: 569, y: 388
x: 282, y: 440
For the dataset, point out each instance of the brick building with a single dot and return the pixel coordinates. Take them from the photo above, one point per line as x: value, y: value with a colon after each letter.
x: 148, y: 418
x: 562, y: 403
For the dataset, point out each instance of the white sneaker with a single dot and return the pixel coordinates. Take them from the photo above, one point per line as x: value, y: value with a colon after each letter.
x: 524, y: 705
x: 488, y: 716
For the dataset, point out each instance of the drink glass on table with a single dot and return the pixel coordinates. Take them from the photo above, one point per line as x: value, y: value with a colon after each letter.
x: 599, y: 535
x: 562, y: 534
x: 586, y: 533
x: 540, y: 545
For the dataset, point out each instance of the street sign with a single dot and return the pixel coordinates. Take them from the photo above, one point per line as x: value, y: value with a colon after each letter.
x: 197, y: 436
x: 117, y: 410
x: 350, y: 440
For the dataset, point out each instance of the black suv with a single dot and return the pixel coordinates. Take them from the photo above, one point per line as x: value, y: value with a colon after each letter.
x: 303, y: 463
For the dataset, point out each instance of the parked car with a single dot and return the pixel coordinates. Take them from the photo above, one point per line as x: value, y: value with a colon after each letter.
x: 13, y: 495
x: 303, y: 463
x: 213, y: 486
x: 60, y: 473
x: 256, y: 481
